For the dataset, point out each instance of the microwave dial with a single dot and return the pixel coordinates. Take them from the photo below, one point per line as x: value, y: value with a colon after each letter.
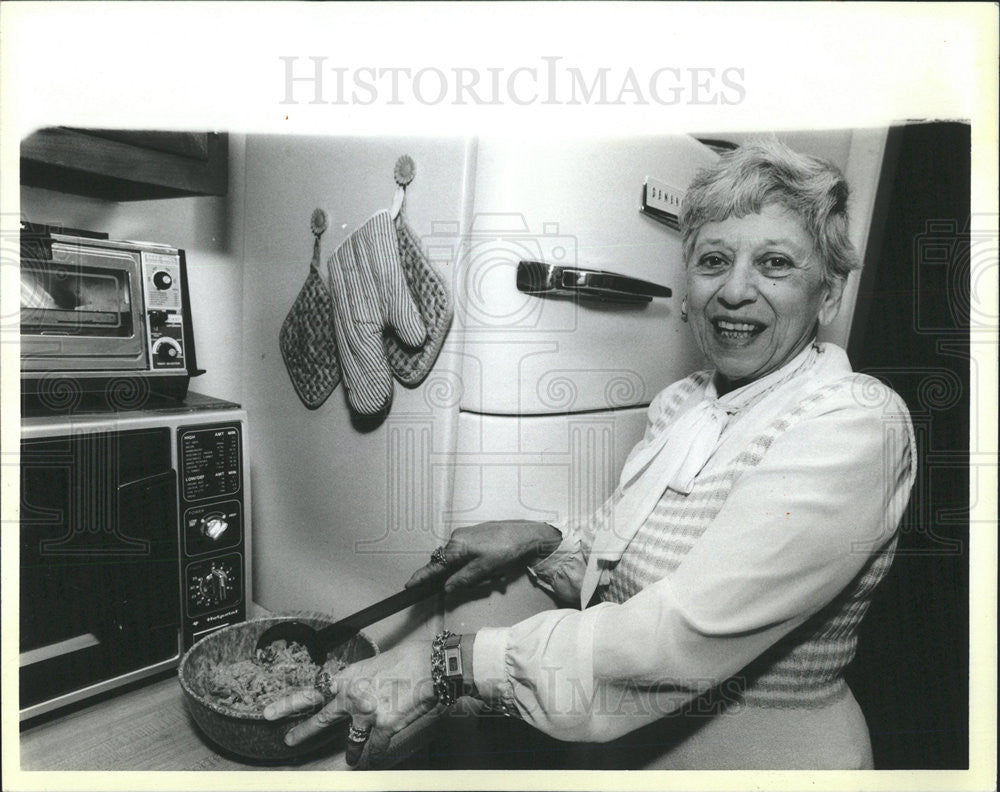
x: 213, y: 584
x: 213, y: 525
x: 211, y: 588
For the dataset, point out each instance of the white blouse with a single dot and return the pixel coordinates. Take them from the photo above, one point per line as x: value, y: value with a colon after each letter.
x: 822, y: 496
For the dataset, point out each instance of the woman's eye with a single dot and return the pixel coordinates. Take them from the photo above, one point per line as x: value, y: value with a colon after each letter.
x: 711, y: 262
x: 776, y: 264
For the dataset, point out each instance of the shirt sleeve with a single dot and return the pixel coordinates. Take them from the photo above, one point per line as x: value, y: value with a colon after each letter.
x: 561, y: 572
x: 794, y: 531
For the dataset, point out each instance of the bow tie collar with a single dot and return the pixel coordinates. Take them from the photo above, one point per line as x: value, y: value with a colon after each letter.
x: 672, y: 460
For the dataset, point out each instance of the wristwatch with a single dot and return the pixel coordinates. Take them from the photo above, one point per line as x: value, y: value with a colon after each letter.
x: 453, y: 674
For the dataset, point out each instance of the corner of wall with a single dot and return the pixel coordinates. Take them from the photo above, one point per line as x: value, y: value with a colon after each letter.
x: 863, y: 171
x: 236, y: 206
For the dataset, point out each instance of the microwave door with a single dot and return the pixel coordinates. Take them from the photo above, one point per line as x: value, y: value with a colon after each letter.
x: 144, y: 605
x: 99, y: 563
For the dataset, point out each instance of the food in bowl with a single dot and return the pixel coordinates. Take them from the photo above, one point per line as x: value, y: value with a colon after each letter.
x: 250, y: 685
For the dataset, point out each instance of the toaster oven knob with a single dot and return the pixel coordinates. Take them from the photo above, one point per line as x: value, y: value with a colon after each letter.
x: 162, y: 280
x: 166, y: 350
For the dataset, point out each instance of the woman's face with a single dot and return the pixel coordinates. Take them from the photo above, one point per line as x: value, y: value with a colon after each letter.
x: 755, y: 292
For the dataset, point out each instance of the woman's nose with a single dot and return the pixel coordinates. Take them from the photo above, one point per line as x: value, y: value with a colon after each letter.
x: 740, y: 286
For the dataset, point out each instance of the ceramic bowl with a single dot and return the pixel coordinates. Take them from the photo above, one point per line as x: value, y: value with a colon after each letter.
x: 249, y: 735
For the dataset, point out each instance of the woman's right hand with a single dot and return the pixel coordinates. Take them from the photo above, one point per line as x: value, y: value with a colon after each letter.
x: 476, y: 553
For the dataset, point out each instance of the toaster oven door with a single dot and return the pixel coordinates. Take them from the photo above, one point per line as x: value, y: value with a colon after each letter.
x: 100, y: 602
x: 82, y: 310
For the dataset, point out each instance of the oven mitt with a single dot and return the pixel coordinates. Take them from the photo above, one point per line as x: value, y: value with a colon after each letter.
x: 369, y: 294
x: 306, y: 339
x: 430, y: 292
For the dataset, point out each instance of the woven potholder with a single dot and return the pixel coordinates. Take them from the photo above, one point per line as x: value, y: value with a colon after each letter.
x: 307, y: 342
x: 411, y: 366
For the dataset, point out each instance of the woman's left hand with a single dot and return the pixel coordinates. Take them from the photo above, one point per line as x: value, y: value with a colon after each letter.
x: 385, y: 694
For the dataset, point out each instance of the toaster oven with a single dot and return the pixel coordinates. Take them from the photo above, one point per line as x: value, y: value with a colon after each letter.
x: 134, y: 543
x: 105, y: 316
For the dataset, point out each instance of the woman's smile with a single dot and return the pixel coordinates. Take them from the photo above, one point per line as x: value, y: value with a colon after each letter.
x: 737, y: 332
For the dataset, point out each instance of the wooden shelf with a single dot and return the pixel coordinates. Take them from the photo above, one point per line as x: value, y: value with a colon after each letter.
x: 121, y: 165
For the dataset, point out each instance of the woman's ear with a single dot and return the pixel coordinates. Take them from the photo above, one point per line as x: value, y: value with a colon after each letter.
x: 833, y: 292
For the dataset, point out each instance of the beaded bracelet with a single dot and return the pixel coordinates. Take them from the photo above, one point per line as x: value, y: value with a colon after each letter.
x: 442, y: 689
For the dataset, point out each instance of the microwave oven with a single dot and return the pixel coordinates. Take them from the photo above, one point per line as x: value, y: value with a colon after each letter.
x: 103, y: 316
x: 134, y: 543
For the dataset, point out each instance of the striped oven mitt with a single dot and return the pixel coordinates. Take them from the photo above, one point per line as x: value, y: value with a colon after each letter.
x: 369, y: 294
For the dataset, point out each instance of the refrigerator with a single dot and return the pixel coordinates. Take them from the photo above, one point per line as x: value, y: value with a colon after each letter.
x: 555, y: 388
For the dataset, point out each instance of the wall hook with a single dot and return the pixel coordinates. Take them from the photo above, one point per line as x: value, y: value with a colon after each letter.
x: 403, y: 173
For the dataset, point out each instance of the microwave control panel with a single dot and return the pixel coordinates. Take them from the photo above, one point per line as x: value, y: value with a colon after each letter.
x: 213, y: 544
x: 164, y: 312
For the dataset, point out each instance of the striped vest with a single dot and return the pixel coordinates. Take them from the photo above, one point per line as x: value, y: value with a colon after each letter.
x: 803, y: 669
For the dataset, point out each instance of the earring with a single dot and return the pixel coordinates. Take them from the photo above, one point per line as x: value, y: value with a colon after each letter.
x: 684, y: 309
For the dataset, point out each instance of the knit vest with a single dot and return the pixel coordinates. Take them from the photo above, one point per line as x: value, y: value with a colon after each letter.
x: 803, y: 669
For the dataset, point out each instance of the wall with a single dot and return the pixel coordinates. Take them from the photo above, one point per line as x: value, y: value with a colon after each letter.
x: 343, y: 512
x: 209, y: 229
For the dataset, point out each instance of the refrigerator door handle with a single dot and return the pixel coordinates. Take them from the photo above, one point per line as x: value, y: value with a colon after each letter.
x: 553, y: 280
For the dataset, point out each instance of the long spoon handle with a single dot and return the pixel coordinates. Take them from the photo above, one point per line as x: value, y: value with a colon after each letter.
x: 340, y: 631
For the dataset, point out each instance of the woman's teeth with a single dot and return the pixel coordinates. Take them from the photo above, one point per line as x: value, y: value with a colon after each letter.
x: 736, y: 331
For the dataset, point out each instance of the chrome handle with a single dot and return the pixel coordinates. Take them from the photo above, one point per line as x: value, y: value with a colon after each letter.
x: 537, y: 277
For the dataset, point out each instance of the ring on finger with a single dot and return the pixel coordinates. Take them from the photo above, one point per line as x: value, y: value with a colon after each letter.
x: 437, y: 557
x: 358, y: 734
x: 324, y: 683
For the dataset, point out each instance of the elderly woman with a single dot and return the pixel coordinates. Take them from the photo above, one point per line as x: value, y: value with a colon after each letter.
x: 714, y: 600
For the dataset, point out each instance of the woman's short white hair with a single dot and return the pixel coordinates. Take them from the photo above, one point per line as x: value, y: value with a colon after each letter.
x: 765, y: 172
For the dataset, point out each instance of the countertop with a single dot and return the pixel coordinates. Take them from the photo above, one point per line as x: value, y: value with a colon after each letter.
x: 145, y: 729
x: 148, y: 728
